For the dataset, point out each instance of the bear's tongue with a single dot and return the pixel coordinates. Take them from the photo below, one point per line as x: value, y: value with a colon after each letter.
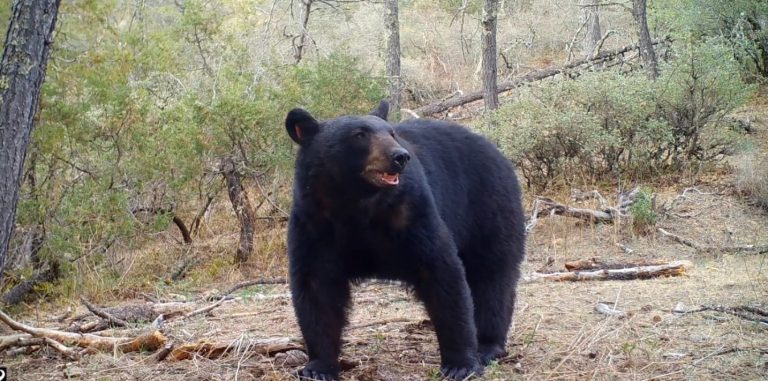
x: 390, y: 178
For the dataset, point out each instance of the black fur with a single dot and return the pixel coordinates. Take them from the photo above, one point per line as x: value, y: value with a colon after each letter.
x: 452, y: 229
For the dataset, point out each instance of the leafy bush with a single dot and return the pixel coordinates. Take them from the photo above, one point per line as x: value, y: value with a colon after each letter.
x: 643, y: 211
x: 331, y: 86
x: 741, y: 25
x: 622, y: 125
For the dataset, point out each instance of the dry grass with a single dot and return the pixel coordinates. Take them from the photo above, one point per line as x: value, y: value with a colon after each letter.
x: 556, y: 333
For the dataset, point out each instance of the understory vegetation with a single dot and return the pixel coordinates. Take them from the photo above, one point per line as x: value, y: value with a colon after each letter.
x: 621, y: 126
x: 144, y: 103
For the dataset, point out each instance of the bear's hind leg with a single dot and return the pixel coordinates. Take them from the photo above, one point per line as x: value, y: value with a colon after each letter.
x: 492, y: 278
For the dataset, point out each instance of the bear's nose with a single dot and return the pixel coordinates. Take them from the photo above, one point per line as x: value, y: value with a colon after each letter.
x: 400, y: 157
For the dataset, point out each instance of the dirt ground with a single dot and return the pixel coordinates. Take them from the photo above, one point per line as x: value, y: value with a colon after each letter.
x: 556, y: 334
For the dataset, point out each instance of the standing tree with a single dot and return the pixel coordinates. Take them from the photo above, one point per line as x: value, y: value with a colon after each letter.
x: 647, y: 54
x: 393, y: 58
x: 301, y: 40
x: 490, y: 90
x: 591, y: 18
x: 22, y: 71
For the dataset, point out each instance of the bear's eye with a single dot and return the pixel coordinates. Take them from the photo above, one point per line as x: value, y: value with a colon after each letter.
x: 360, y: 135
x: 392, y: 133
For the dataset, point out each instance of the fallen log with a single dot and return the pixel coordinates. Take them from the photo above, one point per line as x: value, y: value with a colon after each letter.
x: 533, y: 76
x: 243, y: 345
x: 597, y: 264
x: 150, y: 341
x: 675, y: 268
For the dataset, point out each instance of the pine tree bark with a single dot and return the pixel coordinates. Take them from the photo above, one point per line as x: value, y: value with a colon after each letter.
x: 490, y: 93
x: 393, y: 58
x: 22, y: 71
x: 647, y: 54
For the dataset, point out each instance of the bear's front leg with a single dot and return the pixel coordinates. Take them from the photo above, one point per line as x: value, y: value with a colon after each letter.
x: 442, y: 286
x: 320, y: 301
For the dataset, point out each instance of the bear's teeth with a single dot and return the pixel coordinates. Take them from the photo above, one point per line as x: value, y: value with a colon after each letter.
x: 391, y: 179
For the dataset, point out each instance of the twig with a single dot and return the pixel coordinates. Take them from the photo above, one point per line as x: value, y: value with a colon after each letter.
x: 760, y: 249
x: 163, y: 353
x: 204, y: 309
x: 738, y: 311
x: 247, y: 284
x: 61, y: 348
x: 380, y: 322
x: 103, y: 314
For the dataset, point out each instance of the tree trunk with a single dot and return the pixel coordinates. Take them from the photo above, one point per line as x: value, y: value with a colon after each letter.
x: 22, y: 71
x: 306, y: 7
x: 393, y: 59
x: 490, y: 93
x: 243, y: 210
x: 647, y: 54
x: 591, y: 16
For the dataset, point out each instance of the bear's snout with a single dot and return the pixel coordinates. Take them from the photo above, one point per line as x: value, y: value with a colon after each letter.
x: 400, y: 158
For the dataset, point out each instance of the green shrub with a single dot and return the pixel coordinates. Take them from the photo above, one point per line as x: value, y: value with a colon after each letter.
x: 622, y: 126
x: 643, y: 210
x: 330, y: 87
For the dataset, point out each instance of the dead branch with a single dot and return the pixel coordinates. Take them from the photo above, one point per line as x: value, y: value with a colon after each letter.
x: 215, y: 350
x: 597, y: 264
x: 13, y: 340
x: 26, y: 340
x: 759, y: 249
x: 533, y: 76
x: 578, y: 195
x: 247, y: 283
x: 61, y: 348
x: 169, y: 211
x: 163, y: 353
x: 745, y: 312
x: 380, y: 322
x: 204, y: 309
x: 675, y: 268
x: 609, y: 309
x: 149, y: 341
x: 47, y: 273
x: 133, y: 313
x: 103, y: 314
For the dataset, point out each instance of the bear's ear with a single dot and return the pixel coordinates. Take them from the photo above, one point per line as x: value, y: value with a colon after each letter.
x: 301, y: 126
x: 382, y: 111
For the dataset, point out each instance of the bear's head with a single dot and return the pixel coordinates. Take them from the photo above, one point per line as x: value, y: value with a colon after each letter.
x: 350, y: 148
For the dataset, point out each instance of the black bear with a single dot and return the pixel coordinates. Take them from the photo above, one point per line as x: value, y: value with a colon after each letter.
x: 425, y: 202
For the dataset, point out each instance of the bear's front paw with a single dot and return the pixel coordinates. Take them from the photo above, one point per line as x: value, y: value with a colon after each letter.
x: 488, y: 353
x: 458, y: 373
x: 316, y: 372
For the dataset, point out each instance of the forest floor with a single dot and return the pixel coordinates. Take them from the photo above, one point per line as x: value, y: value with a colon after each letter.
x: 557, y: 333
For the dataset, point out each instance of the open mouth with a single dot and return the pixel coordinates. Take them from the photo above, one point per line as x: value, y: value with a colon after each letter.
x: 381, y: 178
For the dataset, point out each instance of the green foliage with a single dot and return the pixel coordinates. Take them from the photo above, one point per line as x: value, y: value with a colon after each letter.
x: 622, y: 125
x: 643, y: 210
x: 332, y: 86
x: 136, y: 116
x: 741, y: 25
